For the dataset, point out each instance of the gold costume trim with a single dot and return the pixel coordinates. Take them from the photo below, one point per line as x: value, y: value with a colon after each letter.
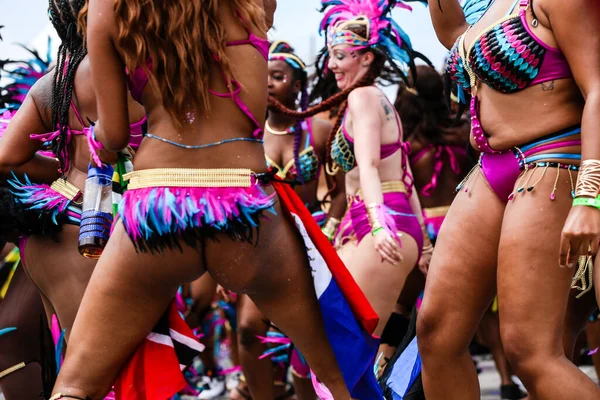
x: 12, y: 369
x: 436, y: 211
x: 386, y: 187
x: 66, y: 189
x: 190, y: 177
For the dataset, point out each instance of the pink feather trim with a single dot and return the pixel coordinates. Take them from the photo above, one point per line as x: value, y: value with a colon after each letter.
x: 384, y: 215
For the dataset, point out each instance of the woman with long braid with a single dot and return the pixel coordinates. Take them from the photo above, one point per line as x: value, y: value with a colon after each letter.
x: 56, y: 104
x: 380, y: 238
x: 27, y: 368
x: 199, y: 175
x: 533, y: 76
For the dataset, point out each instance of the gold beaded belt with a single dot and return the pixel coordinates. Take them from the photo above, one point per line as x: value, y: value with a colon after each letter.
x: 190, y: 177
x: 386, y: 187
x: 67, y: 189
x: 436, y: 211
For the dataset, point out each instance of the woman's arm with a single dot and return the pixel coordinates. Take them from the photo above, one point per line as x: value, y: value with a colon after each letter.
x: 448, y: 20
x: 108, y: 76
x: 364, y: 109
x: 576, y: 25
x: 18, y: 150
x: 364, y: 106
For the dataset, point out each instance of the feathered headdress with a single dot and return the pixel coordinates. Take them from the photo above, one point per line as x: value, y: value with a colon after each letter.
x: 22, y: 76
x: 341, y: 17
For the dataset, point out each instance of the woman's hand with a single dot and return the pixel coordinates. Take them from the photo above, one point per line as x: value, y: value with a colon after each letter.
x: 388, y: 248
x: 424, y: 262
x: 580, y: 235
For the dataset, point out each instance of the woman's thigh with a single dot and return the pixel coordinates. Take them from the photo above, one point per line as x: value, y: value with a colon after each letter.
x: 533, y: 290
x: 461, y: 281
x: 380, y: 281
x: 60, y: 272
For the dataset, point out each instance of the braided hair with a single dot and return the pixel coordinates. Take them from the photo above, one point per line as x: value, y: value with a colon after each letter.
x: 299, y: 74
x: 339, y: 99
x: 64, y: 14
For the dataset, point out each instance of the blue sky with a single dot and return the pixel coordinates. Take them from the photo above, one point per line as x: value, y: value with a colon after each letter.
x: 296, y: 21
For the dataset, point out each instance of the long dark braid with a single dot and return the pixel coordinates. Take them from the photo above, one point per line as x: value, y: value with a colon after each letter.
x: 64, y: 14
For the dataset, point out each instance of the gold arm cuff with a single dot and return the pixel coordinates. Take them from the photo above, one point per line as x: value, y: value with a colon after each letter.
x: 190, y: 177
x: 12, y: 369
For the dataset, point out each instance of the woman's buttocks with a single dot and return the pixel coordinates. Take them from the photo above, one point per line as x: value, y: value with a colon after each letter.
x: 511, y: 120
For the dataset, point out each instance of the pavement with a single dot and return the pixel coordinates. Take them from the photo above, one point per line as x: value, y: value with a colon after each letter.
x: 488, y: 379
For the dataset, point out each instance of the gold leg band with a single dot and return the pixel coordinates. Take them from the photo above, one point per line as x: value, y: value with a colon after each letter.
x: 12, y: 369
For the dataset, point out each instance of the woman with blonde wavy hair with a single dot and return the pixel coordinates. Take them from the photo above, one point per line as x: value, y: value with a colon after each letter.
x: 200, y: 185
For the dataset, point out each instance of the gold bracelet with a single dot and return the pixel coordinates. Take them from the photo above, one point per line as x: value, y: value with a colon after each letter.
x: 373, y: 218
x: 330, y: 227
x: 588, y: 182
x: 427, y: 249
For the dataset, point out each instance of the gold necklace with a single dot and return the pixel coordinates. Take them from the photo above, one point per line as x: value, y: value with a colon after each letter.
x: 279, y: 133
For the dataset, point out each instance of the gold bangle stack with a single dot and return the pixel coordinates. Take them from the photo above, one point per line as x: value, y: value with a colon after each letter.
x: 330, y: 227
x: 588, y: 182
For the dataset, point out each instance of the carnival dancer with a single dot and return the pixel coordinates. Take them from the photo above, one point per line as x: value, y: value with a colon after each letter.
x: 296, y: 149
x: 200, y: 175
x: 27, y: 369
x: 52, y: 187
x: 380, y: 238
x: 533, y: 80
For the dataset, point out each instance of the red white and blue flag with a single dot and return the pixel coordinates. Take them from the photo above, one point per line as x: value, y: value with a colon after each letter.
x: 348, y: 316
x: 155, y: 370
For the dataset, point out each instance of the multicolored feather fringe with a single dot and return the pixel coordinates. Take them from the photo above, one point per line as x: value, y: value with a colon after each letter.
x: 43, y: 198
x: 158, y: 218
x: 281, y: 351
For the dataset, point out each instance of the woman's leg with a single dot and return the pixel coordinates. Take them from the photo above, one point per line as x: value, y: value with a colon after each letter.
x: 593, y: 338
x: 60, y: 272
x: 576, y: 319
x: 277, y: 278
x: 489, y: 331
x: 533, y: 293
x: 22, y: 309
x: 258, y: 373
x: 275, y: 273
x: 381, y: 282
x: 460, y: 286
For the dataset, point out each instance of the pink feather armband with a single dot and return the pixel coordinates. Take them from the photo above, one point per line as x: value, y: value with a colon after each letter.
x: 93, y: 145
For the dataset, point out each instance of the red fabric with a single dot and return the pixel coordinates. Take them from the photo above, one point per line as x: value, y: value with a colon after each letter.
x: 355, y: 297
x: 154, y: 372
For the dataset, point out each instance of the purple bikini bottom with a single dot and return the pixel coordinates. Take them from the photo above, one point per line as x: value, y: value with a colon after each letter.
x: 506, y: 172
